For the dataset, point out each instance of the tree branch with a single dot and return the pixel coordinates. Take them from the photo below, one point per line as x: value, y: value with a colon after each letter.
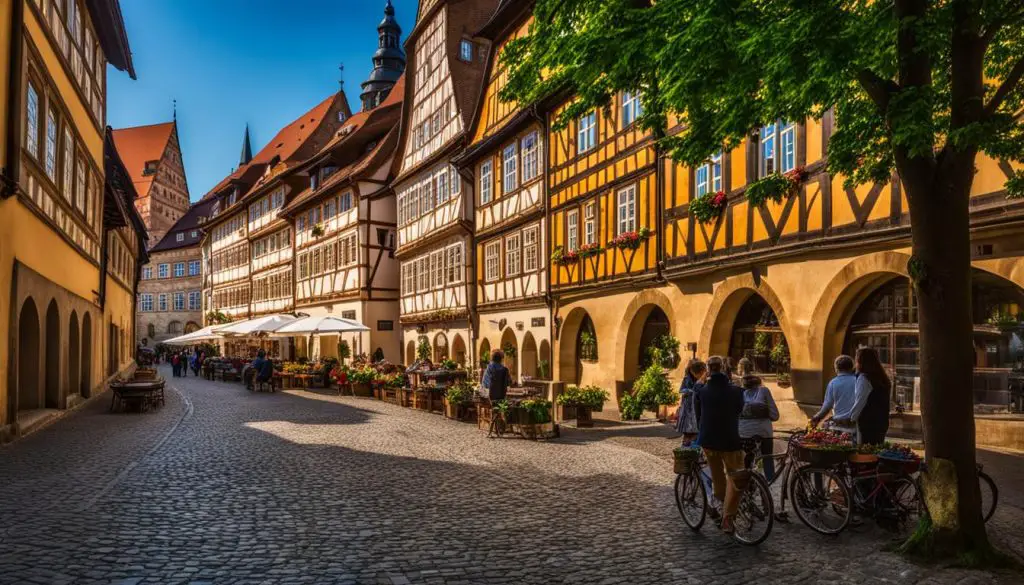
x: 879, y: 89
x: 1009, y: 84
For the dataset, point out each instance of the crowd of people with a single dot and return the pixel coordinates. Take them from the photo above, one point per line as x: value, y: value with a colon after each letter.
x: 182, y: 361
x: 720, y: 413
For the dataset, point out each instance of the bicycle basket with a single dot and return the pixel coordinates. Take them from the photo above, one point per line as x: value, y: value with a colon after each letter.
x: 685, y: 460
x: 821, y: 457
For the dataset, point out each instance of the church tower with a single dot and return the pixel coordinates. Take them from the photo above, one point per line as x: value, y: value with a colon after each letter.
x: 246, y: 149
x: 388, y: 61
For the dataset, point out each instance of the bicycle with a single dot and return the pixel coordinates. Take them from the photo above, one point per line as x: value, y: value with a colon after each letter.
x: 825, y: 497
x: 784, y: 463
x: 499, y: 422
x: 989, y: 492
x: 755, y: 515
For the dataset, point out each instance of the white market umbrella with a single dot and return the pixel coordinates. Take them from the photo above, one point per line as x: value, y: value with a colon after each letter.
x: 326, y: 324
x: 208, y: 333
x: 266, y: 324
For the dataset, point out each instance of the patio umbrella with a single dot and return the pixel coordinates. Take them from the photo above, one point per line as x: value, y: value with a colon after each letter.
x: 266, y: 324
x: 325, y: 324
x: 205, y: 334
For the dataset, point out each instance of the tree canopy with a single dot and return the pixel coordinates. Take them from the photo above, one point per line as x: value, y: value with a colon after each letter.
x: 896, y: 73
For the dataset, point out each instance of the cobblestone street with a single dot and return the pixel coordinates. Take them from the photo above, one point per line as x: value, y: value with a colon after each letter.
x: 224, y: 486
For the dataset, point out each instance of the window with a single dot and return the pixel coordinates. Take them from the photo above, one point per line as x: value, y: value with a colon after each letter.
x: 349, y: 249
x: 163, y: 301
x: 454, y: 264
x: 180, y: 237
x: 572, y: 230
x: 492, y: 257
x: 466, y: 50
x: 277, y: 199
x: 193, y: 268
x: 486, y: 182
x: 455, y: 181
x: 513, y: 256
x: 587, y: 133
x: 777, y: 149
x: 80, y: 185
x: 437, y: 268
x: 195, y: 234
x: 531, y: 249
x: 627, y: 210
x: 510, y: 161
x: 194, y: 301
x: 51, y: 144
x: 147, y: 273
x: 408, y: 278
x: 531, y: 168
x: 423, y: 274
x: 69, y: 162
x: 32, y: 121
x: 163, y: 271
x: 631, y: 108
x: 590, y: 223
x: 350, y: 315
x: 146, y: 302
x: 708, y: 177
x: 443, y: 194
x: 179, y: 301
x: 346, y: 202
x: 179, y: 269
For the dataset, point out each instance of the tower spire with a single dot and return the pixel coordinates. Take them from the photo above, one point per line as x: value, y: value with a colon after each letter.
x: 388, y: 61
x: 246, y: 149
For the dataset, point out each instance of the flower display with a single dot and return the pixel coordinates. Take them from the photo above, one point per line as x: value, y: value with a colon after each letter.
x: 707, y: 208
x: 630, y: 240
x: 588, y: 250
x: 562, y: 257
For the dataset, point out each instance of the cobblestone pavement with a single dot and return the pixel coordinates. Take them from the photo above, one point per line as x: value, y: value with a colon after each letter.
x: 224, y: 486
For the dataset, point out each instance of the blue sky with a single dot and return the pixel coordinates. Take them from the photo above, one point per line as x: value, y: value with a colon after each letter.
x: 232, y: 62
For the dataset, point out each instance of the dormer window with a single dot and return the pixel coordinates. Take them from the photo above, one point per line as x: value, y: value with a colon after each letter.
x: 314, y: 180
x: 466, y: 50
x: 150, y: 168
x: 341, y: 117
x: 180, y: 237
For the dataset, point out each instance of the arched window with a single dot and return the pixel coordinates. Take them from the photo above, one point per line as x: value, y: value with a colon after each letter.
x: 151, y: 331
x: 757, y: 336
x: 586, y: 341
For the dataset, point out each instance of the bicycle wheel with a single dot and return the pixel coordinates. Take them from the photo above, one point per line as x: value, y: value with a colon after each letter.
x: 821, y: 500
x: 907, y: 504
x: 691, y: 500
x: 756, y: 514
x: 989, y: 495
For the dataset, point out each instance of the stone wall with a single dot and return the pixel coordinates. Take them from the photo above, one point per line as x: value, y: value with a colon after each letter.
x: 161, y: 320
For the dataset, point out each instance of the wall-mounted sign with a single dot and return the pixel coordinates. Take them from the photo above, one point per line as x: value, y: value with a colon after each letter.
x: 385, y: 325
x: 537, y: 322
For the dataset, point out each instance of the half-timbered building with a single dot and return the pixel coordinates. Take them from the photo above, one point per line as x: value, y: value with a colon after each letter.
x: 505, y: 163
x: 435, y: 209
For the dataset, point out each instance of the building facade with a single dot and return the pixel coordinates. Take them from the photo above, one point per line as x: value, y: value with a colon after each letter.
x: 152, y: 155
x: 170, y: 299
x: 435, y: 203
x: 68, y: 273
x: 505, y: 162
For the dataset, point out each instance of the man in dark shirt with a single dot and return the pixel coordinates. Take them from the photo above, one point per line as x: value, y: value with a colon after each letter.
x: 262, y: 367
x: 496, y: 378
x: 718, y: 404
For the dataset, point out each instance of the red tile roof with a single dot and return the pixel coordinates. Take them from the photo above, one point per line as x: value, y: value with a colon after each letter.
x: 141, y: 144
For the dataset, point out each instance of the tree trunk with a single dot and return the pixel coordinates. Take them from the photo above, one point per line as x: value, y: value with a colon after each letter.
x: 941, y: 271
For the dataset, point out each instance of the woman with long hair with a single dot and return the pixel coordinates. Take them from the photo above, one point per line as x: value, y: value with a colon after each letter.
x: 872, y: 380
x: 686, y: 424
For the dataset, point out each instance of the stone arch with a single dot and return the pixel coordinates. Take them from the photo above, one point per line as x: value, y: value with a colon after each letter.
x: 191, y: 327
x: 52, y: 355
x: 729, y: 297
x: 29, y: 345
x: 509, y: 341
x: 485, y: 350
x: 86, y: 377
x: 528, y: 355
x: 545, y: 357
x: 74, y: 355
x: 440, y: 347
x: 151, y: 331
x: 458, y: 352
x: 644, y: 305
x: 410, y: 353
x: 570, y: 367
x: 835, y: 307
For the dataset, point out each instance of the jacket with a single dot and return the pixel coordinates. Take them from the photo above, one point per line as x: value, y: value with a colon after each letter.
x: 718, y: 404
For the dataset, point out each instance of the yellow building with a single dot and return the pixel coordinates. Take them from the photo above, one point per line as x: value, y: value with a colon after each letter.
x: 69, y: 273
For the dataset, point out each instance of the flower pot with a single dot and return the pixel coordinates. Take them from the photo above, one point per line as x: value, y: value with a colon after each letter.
x: 584, y: 418
x: 893, y: 465
x: 362, y: 389
x: 451, y: 409
x: 534, y: 431
x: 819, y: 457
x: 863, y: 458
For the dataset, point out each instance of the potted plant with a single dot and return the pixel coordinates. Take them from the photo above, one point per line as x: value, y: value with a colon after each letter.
x: 651, y: 391
x: 317, y: 231
x: 423, y: 350
x: 585, y: 400
x: 344, y: 351
x: 630, y: 240
x: 707, y: 208
x: 456, y: 399
x: 361, y: 380
x: 588, y: 346
x: 536, y: 422
x: 543, y: 367
x: 667, y: 347
x: 509, y: 350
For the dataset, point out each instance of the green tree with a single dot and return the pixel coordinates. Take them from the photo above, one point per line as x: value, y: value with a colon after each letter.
x: 917, y: 87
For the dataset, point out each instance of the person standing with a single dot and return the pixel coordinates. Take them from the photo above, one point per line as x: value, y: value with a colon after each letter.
x: 874, y: 386
x: 759, y: 412
x: 686, y: 422
x: 496, y: 379
x: 842, y: 398
x: 718, y: 405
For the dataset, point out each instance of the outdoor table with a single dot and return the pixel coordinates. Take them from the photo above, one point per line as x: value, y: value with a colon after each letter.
x: 304, y: 380
x: 142, y: 394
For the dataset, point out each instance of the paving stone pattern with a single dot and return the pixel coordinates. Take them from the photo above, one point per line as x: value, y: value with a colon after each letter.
x: 225, y: 486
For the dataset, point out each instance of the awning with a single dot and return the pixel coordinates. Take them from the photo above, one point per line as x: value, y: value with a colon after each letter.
x: 265, y: 324
x: 326, y: 324
x: 204, y: 334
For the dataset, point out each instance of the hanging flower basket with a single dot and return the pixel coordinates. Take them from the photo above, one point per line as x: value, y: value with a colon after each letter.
x: 588, y: 250
x: 562, y: 257
x: 707, y: 208
x: 775, y: 187
x: 630, y: 240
